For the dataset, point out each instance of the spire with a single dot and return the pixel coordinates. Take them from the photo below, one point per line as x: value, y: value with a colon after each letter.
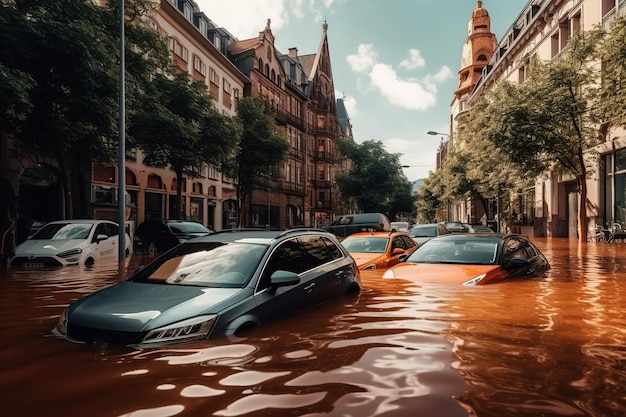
x: 477, y: 50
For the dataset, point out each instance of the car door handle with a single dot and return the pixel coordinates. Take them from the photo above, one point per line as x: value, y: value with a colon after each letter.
x: 309, y: 287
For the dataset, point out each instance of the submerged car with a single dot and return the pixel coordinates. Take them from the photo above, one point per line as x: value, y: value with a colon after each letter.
x: 472, y: 259
x: 422, y: 233
x: 70, y: 242
x: 162, y: 235
x: 379, y: 250
x: 216, y: 285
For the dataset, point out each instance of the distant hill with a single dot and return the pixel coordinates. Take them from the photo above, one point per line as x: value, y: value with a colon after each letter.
x: 417, y: 184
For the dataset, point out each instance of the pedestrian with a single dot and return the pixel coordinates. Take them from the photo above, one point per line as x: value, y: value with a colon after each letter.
x: 483, y: 220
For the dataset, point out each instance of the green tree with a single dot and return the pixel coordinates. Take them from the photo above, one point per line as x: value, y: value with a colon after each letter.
x: 177, y: 125
x: 430, y: 198
x: 260, y: 156
x: 612, y: 54
x: 61, y: 91
x: 547, y: 123
x: 375, y: 181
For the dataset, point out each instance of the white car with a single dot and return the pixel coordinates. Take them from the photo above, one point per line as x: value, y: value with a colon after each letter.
x: 70, y: 242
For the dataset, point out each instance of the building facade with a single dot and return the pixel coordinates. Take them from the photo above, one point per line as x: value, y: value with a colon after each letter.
x: 544, y: 29
x: 299, y: 92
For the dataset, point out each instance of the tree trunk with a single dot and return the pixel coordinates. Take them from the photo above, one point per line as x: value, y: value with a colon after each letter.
x: 582, y: 211
x: 66, y: 181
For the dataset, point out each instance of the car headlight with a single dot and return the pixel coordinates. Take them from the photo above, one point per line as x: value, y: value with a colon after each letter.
x: 70, y: 253
x: 475, y: 280
x: 187, y: 330
x: 369, y: 267
x: 389, y: 274
x: 61, y: 328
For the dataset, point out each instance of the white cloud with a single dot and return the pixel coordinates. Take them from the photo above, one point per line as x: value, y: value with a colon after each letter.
x: 410, y: 94
x: 364, y: 60
x: 414, y: 61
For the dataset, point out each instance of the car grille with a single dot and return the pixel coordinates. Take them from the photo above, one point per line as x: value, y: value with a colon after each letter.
x: 102, y: 336
x: 44, y: 260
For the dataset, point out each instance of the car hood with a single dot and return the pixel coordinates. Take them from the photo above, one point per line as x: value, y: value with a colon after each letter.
x: 362, y: 258
x: 447, y: 273
x: 135, y: 307
x: 48, y: 246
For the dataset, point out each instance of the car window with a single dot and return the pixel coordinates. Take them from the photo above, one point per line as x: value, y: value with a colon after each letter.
x: 187, y: 227
x: 210, y: 264
x: 515, y: 248
x: 424, y: 231
x: 101, y: 229
x: 398, y: 242
x: 467, y: 251
x: 365, y: 244
x: 408, y: 242
x: 315, y: 251
x: 60, y: 231
x: 333, y: 250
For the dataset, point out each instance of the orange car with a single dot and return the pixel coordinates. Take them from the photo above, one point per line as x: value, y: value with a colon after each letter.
x: 376, y: 250
x: 472, y: 259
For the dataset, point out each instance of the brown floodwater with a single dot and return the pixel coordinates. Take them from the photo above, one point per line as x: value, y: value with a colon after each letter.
x: 554, y: 346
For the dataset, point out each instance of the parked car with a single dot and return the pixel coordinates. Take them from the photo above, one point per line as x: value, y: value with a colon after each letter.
x: 215, y: 285
x: 400, y: 226
x: 472, y: 259
x: 422, y: 233
x: 363, y: 222
x: 70, y: 242
x: 477, y: 228
x: 161, y: 235
x: 379, y: 250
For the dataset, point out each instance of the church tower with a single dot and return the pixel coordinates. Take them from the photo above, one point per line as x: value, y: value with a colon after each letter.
x: 477, y: 50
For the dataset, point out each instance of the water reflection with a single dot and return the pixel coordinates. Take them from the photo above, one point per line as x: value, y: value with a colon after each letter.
x: 549, y: 347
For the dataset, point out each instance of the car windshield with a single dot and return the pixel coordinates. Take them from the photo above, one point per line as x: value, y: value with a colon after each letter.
x: 187, y: 227
x: 464, y: 251
x: 62, y: 231
x: 423, y: 231
x: 207, y: 264
x: 365, y: 244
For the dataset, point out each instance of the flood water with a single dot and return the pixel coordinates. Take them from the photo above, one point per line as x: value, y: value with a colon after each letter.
x: 554, y: 346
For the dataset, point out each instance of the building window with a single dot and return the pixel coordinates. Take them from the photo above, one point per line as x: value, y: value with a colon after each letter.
x: 180, y: 51
x: 198, y: 65
x: 187, y: 12
x: 202, y: 27
x: 213, y: 76
x: 217, y: 42
x: 227, y: 87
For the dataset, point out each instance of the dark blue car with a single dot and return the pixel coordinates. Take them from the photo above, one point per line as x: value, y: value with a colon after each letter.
x: 215, y: 285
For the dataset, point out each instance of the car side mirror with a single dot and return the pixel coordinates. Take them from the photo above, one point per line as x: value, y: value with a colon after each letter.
x: 517, y: 263
x: 397, y: 251
x: 282, y: 278
x: 101, y: 237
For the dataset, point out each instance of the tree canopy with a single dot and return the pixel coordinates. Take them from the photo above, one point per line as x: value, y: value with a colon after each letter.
x: 176, y: 124
x: 375, y: 181
x: 261, y: 154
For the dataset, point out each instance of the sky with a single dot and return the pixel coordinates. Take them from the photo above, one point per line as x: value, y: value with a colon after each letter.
x: 395, y: 63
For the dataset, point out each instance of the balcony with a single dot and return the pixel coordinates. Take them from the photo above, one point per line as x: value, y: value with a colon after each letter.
x: 322, y: 184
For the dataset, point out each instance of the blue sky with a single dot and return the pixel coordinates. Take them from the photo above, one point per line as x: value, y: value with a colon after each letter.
x: 395, y: 61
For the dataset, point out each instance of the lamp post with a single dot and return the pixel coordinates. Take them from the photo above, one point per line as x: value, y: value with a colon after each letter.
x: 435, y: 133
x: 121, y: 176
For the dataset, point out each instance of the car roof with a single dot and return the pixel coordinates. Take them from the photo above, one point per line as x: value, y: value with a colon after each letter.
x: 378, y: 234
x: 474, y: 236
x: 81, y: 221
x: 258, y: 235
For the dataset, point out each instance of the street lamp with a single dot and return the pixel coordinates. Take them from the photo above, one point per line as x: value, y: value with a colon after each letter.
x: 434, y: 133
